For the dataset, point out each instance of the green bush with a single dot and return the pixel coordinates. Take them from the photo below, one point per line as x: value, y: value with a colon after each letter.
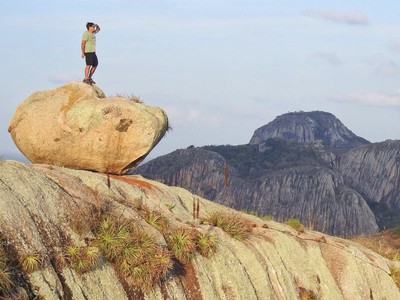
x: 233, y: 224
x: 295, y: 224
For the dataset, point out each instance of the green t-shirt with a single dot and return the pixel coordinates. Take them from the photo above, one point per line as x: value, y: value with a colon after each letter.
x: 90, y: 39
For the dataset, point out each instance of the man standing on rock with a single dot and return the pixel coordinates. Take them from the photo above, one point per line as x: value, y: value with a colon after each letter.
x: 88, y: 47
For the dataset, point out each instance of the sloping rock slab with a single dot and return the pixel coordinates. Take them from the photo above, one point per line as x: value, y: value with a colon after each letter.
x: 45, y: 208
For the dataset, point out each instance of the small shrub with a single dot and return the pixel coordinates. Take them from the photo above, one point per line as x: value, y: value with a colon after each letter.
x: 295, y: 224
x: 154, y: 218
x: 5, y: 278
x: 232, y: 224
x: 133, y: 252
x: 5, y: 271
x: 383, y: 243
x: 170, y: 206
x: 160, y: 263
x: 60, y: 260
x: 30, y: 262
x: 266, y: 218
x: 181, y: 242
x: 251, y: 212
x: 206, y: 244
x: 305, y: 294
x: 111, y: 237
x: 135, y: 98
x: 82, y: 259
x: 396, y: 230
x: 395, y: 274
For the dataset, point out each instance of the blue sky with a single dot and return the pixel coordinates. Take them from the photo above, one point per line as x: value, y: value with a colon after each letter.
x: 220, y: 69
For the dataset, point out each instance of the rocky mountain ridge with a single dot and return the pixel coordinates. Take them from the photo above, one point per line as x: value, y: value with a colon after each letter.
x: 287, y: 171
x: 309, y: 127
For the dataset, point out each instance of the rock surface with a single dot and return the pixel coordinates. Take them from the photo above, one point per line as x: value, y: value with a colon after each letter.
x: 309, y: 127
x: 316, y: 195
x: 76, y: 126
x: 374, y: 171
x: 43, y: 206
x: 302, y: 165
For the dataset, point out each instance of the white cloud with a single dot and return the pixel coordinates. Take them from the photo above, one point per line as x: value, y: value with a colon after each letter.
x: 384, y: 66
x: 191, y: 116
x: 395, y: 46
x: 381, y: 99
x: 350, y: 18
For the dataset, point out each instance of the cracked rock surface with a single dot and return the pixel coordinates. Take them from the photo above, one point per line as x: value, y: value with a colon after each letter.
x: 42, y: 206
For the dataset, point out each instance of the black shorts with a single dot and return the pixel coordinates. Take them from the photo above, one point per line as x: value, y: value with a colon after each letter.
x: 91, y: 59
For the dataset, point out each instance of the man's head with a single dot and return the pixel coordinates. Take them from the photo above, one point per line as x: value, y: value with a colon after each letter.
x: 89, y: 24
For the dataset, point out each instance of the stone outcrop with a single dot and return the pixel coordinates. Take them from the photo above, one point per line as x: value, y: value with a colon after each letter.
x: 309, y: 127
x: 76, y: 126
x: 316, y: 195
x: 301, y: 165
x: 44, y: 207
x: 374, y: 171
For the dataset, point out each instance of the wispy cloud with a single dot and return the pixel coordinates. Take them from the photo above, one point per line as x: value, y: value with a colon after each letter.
x: 381, y: 99
x: 384, y: 66
x: 349, y: 18
x: 395, y: 46
x: 330, y: 57
x: 191, y: 116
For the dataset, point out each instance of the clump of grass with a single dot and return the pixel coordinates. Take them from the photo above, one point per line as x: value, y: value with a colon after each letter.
x: 395, y: 274
x: 266, y: 218
x: 30, y: 262
x: 154, y: 218
x: 131, y: 97
x: 111, y: 237
x: 233, y: 224
x: 82, y: 259
x: 133, y: 252
x: 383, y: 243
x: 5, y: 273
x: 305, y: 294
x: 295, y: 224
x: 396, y: 230
x: 170, y: 206
x: 206, y: 244
x: 257, y: 214
x: 135, y: 98
x: 251, y: 212
x: 182, y: 243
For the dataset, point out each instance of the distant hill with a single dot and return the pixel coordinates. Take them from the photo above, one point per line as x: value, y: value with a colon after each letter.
x: 304, y: 165
x: 309, y: 127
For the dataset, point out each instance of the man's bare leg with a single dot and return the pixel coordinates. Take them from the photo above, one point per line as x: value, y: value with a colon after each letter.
x: 92, y: 69
x: 87, y: 71
x: 91, y: 72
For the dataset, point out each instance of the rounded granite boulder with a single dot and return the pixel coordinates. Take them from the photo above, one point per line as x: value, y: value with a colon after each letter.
x: 78, y: 127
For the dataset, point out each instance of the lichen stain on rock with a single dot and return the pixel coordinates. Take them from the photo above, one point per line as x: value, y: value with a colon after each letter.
x: 123, y: 125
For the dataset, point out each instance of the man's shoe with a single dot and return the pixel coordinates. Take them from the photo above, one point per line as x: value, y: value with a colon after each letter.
x: 92, y: 81
x: 87, y: 81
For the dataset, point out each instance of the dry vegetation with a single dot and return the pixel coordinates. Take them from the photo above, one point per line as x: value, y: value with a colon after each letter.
x: 386, y: 243
x: 295, y: 224
x: 232, y: 223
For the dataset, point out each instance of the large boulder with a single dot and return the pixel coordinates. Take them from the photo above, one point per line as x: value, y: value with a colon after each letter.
x: 76, y: 126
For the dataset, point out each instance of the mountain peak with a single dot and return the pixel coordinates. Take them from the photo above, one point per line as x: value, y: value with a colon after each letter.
x: 309, y: 127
